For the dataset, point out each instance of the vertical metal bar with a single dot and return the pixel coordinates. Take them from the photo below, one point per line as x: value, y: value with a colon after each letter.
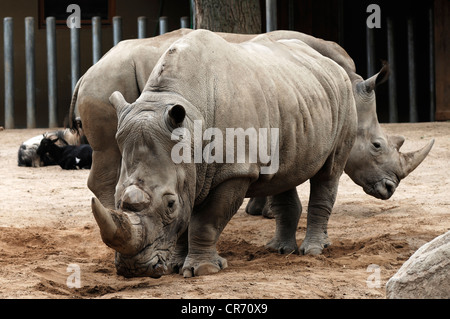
x: 162, y: 25
x: 431, y: 65
x: 413, y: 117
x: 30, y: 72
x: 142, y: 27
x: 271, y: 15
x: 75, y: 55
x: 393, y: 109
x: 96, y: 39
x: 184, y: 22
x: 370, y: 47
x: 192, y: 9
x: 117, y: 29
x: 8, y: 36
x: 51, y: 71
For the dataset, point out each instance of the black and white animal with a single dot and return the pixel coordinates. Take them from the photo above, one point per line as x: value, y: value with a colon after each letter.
x: 27, y: 155
x: 66, y: 156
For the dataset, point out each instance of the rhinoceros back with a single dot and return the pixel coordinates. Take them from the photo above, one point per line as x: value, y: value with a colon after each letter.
x: 262, y: 83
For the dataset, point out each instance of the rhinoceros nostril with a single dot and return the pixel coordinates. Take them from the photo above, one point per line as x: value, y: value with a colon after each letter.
x: 390, y: 187
x: 135, y: 199
x: 158, y: 268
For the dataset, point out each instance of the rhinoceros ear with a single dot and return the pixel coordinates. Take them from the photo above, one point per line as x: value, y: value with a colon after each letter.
x: 175, y: 115
x: 118, y: 101
x: 377, y: 79
x: 396, y: 141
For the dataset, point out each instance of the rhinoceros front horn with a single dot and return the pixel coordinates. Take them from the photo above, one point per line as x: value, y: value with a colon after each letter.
x: 121, y: 231
x: 409, y: 161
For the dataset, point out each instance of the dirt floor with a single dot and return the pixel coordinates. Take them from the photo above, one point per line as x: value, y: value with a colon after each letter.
x: 47, y: 232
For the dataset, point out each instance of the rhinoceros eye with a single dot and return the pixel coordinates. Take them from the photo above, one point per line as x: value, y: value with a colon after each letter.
x: 170, y: 200
x: 377, y: 145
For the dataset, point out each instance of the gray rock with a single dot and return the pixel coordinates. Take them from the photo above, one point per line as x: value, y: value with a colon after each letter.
x: 426, y: 274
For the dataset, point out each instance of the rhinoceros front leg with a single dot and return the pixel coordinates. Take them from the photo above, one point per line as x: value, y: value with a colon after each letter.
x: 180, y: 253
x: 321, y: 201
x: 206, y: 224
x: 286, y: 208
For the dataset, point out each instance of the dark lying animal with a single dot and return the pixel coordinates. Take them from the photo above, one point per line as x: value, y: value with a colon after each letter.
x: 67, y: 156
x: 27, y: 155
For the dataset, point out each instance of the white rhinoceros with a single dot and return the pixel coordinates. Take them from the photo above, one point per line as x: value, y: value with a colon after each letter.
x: 168, y: 216
x: 126, y: 67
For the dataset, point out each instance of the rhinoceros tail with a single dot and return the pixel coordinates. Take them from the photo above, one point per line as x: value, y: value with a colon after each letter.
x: 73, y: 116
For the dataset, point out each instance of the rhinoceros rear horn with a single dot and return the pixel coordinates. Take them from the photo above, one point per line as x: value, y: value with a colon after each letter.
x: 118, y: 101
x: 377, y: 79
x: 409, y: 161
x: 119, y: 230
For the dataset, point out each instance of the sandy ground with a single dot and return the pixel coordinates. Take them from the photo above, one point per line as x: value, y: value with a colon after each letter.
x: 47, y: 232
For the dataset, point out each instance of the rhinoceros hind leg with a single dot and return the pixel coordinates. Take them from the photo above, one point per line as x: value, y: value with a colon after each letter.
x: 104, y: 174
x: 258, y: 206
x: 286, y: 208
x: 255, y: 206
x: 267, y: 211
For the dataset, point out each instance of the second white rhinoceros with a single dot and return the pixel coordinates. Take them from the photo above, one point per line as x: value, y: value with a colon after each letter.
x: 167, y: 216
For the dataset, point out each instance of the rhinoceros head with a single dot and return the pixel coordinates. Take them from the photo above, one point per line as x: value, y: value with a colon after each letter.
x: 153, y: 201
x: 375, y: 162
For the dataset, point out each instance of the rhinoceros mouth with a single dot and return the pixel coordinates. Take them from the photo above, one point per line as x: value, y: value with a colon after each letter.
x: 382, y: 189
x: 143, y: 265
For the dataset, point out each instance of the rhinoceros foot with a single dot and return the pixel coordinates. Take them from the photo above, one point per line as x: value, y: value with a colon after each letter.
x: 314, y: 245
x: 255, y: 206
x: 283, y: 247
x: 203, y: 265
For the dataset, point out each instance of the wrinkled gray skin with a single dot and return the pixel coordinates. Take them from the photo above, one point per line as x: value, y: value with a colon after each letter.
x: 168, y: 217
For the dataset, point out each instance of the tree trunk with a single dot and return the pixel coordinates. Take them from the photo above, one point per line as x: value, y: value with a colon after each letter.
x: 234, y: 16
